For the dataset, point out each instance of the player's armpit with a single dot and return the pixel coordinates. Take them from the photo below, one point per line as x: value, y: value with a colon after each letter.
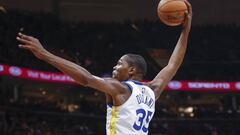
x: 161, y: 80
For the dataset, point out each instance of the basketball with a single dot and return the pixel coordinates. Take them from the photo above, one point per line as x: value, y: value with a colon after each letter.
x: 172, y: 12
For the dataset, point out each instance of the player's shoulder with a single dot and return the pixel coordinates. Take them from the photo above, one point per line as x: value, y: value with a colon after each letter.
x: 114, y: 81
x: 109, y: 79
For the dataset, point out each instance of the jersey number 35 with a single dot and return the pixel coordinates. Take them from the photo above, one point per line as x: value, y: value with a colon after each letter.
x: 144, y: 118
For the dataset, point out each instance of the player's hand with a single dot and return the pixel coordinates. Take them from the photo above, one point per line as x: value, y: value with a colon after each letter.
x: 188, y: 17
x: 32, y: 44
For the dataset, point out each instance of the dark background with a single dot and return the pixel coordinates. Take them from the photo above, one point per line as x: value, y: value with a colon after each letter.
x: 94, y: 34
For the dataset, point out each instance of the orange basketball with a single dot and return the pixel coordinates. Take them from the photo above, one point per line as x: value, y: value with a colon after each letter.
x: 172, y: 12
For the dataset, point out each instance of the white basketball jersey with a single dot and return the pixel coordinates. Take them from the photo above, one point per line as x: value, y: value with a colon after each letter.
x: 132, y: 117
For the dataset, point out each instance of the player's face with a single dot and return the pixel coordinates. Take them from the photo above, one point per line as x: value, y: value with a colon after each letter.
x: 121, y: 70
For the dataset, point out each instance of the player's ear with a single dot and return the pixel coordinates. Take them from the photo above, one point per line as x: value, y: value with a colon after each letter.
x: 132, y: 70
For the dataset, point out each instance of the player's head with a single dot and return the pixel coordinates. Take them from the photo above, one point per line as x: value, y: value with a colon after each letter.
x: 130, y: 66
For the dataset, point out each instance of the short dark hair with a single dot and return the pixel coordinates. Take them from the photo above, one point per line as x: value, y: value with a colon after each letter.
x: 138, y: 62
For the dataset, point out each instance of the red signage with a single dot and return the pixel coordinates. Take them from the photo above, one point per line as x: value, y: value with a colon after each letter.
x: 203, y: 85
x: 62, y: 78
x: 34, y: 74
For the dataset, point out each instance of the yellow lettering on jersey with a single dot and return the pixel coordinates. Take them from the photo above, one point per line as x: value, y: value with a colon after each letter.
x: 113, y: 120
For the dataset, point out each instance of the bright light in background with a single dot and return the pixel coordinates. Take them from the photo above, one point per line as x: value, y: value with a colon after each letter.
x: 191, y: 114
x: 2, y: 9
x: 186, y: 111
x: 44, y: 92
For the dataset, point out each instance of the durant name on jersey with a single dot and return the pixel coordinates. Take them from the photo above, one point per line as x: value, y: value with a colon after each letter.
x: 144, y: 99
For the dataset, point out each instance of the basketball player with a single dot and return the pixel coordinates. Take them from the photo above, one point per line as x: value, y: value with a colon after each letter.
x: 131, y: 104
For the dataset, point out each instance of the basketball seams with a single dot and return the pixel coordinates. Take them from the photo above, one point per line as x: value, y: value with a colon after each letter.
x: 172, y: 11
x: 172, y: 21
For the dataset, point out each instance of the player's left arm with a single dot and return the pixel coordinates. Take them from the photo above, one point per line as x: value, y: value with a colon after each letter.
x: 176, y: 59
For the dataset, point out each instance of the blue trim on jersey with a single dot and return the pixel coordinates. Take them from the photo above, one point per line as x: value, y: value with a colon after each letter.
x: 136, y: 82
x: 129, y: 86
x: 110, y: 105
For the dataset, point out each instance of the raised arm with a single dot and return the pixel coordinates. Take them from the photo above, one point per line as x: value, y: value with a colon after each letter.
x: 176, y: 59
x: 78, y: 73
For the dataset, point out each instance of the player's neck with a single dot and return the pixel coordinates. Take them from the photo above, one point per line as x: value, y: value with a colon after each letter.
x: 136, y: 78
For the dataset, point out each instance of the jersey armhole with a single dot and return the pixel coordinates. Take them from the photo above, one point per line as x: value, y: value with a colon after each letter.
x: 129, y: 86
x: 130, y: 89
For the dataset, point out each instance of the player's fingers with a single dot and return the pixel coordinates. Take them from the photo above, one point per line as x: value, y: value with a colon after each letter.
x: 185, y: 17
x: 23, y: 36
x: 28, y: 47
x: 189, y: 6
x: 187, y: 3
x: 186, y: 14
x: 23, y: 40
